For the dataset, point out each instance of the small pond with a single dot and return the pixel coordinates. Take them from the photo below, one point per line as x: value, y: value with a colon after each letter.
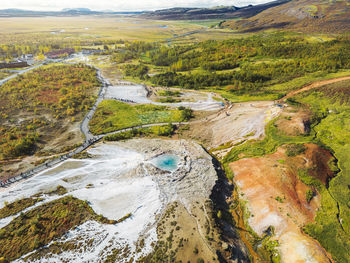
x: 167, y: 162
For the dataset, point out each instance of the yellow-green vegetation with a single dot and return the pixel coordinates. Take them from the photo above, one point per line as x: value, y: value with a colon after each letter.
x: 168, y: 100
x: 39, y: 226
x: 31, y: 103
x: 60, y: 190
x: 114, y: 115
x: 296, y: 83
x: 169, y: 93
x: 169, y: 96
x: 166, y: 130
x: 4, y: 74
x: 259, y: 67
x: 204, y: 23
x: 61, y: 89
x: 124, y: 218
x: 271, y: 246
x: 309, y: 195
x: 100, y: 28
x: 332, y: 227
x: 17, y: 206
x: 295, y: 149
x: 274, y: 138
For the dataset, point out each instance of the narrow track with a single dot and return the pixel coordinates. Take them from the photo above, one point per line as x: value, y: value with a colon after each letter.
x: 90, y: 139
x: 19, y: 73
x: 314, y: 85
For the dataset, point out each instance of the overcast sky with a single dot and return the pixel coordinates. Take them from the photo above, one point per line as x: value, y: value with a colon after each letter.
x: 120, y: 5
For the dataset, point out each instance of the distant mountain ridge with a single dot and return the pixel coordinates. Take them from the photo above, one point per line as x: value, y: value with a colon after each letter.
x: 13, y: 12
x: 218, y: 12
x: 176, y: 13
x: 76, y: 9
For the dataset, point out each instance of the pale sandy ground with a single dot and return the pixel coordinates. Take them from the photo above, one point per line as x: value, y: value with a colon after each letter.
x: 235, y: 123
x: 241, y: 120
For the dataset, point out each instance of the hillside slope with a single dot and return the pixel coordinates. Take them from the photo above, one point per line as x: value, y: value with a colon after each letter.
x: 324, y: 16
x: 218, y: 12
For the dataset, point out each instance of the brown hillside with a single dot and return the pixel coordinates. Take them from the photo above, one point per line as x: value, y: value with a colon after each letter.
x: 323, y: 16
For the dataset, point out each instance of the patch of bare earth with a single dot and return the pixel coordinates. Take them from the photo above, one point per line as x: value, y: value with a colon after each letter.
x: 276, y: 197
x: 294, y: 122
x: 238, y: 122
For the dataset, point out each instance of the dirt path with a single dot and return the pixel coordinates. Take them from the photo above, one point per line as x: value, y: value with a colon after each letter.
x: 314, y: 85
x: 20, y: 73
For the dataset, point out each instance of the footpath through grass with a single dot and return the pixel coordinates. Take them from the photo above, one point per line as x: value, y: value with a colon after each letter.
x: 114, y: 115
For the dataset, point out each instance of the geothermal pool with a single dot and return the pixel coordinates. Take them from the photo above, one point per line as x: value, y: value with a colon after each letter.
x: 119, y: 179
x: 167, y: 162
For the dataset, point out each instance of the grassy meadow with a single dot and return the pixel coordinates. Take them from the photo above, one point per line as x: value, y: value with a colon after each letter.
x: 114, y: 115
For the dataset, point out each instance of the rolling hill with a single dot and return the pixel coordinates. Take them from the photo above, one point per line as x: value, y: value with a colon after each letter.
x: 322, y: 16
x: 218, y: 12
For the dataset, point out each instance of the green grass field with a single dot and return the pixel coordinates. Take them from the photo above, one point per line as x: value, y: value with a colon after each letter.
x: 114, y: 115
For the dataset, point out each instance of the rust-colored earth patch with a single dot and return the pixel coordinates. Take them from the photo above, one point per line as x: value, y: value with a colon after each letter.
x: 276, y: 197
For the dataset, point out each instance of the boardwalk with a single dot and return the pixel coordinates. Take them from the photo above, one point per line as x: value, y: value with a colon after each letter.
x: 90, y: 139
x: 20, y: 72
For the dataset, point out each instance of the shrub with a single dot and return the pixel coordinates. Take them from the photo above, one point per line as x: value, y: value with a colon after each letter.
x: 219, y: 214
x: 295, y: 149
x: 309, y: 195
x: 186, y: 113
x: 167, y: 130
x: 279, y: 199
